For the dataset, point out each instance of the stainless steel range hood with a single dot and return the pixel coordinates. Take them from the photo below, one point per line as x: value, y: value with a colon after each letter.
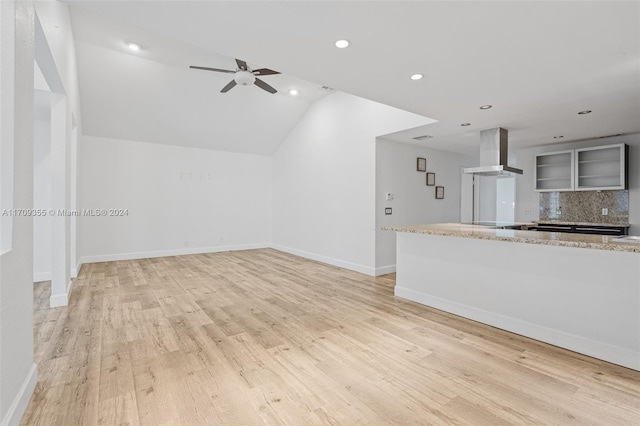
x: 493, y: 155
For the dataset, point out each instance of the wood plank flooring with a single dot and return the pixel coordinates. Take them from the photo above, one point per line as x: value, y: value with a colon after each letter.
x: 263, y: 337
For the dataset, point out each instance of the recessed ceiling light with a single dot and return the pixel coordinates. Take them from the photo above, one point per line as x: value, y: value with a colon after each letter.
x: 341, y: 44
x: 558, y: 137
x: 465, y: 124
x: 293, y: 92
x: 486, y: 106
x: 586, y: 111
x: 417, y: 76
x: 136, y: 47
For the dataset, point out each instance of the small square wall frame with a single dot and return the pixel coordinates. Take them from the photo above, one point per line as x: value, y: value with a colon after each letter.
x: 421, y: 164
x: 431, y: 179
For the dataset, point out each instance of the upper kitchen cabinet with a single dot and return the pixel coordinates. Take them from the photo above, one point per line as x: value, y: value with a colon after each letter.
x: 583, y: 169
x: 602, y: 167
x: 554, y: 171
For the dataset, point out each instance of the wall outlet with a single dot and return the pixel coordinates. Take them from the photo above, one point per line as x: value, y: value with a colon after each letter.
x: 605, y: 212
x: 527, y: 212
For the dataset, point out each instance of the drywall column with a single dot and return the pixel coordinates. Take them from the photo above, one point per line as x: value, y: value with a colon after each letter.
x: 73, y: 199
x: 42, y: 193
x: 18, y: 372
x: 61, y: 125
x: 6, y: 125
x: 60, y: 254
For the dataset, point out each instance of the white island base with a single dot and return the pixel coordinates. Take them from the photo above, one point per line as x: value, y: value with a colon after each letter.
x: 581, y: 299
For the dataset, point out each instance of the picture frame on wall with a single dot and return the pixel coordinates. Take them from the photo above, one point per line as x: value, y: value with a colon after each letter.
x: 439, y: 192
x: 431, y: 179
x: 421, y: 164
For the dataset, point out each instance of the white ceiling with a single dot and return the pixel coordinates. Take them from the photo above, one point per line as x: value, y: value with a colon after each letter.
x: 538, y: 64
x: 153, y: 95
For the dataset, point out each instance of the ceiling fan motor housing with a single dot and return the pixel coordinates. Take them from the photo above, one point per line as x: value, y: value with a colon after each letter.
x: 244, y: 78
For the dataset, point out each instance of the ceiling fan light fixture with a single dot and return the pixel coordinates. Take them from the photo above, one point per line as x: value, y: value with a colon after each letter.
x: 417, y: 76
x: 486, y: 106
x: 244, y: 78
x: 342, y: 44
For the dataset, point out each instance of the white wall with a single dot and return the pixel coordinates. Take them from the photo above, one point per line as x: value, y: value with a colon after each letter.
x: 413, y: 201
x: 180, y: 200
x: 324, y: 180
x: 527, y: 198
x: 18, y: 372
x: 42, y: 200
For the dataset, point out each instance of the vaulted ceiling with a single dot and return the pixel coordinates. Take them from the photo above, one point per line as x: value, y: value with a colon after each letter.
x: 537, y: 63
x: 153, y: 95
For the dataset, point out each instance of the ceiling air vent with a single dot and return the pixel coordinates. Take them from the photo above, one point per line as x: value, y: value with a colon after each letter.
x: 611, y: 136
x: 423, y: 137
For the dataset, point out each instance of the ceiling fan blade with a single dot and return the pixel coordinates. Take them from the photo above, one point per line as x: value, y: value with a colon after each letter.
x: 264, y: 71
x: 242, y: 65
x: 261, y: 84
x: 212, y: 69
x: 228, y: 87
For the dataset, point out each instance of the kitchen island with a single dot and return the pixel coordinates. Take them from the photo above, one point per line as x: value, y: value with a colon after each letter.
x: 580, y: 292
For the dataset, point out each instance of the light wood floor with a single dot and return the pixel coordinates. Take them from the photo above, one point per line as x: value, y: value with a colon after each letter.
x: 260, y: 336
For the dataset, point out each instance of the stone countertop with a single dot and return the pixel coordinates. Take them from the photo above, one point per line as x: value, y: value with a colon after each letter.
x: 559, y: 222
x: 598, y: 242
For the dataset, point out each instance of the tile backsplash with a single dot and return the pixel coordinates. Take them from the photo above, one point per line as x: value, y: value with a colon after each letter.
x: 585, y: 206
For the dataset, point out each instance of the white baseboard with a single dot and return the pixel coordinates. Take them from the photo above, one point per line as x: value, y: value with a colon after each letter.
x: 181, y: 252
x: 329, y: 260
x: 58, y: 300
x: 61, y: 299
x: 76, y: 269
x: 41, y: 276
x: 573, y: 342
x: 165, y: 253
x: 384, y: 270
x: 19, y: 405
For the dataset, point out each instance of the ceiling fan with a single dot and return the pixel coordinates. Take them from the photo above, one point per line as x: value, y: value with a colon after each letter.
x: 244, y: 76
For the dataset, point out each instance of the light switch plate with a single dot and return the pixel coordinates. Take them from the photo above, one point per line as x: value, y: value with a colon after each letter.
x: 387, y: 210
